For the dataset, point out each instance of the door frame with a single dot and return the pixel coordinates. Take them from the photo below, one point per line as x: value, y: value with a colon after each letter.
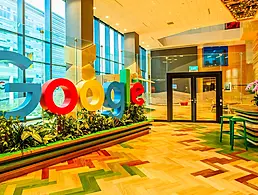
x: 193, y: 76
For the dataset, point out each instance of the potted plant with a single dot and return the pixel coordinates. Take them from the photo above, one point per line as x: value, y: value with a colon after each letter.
x: 253, y: 88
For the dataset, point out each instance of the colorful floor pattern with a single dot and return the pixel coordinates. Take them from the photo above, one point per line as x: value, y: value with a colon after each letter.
x: 174, y: 159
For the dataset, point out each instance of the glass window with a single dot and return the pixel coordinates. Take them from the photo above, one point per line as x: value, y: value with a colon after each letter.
x: 36, y: 74
x: 8, y: 15
x: 58, y: 55
x: 120, y: 51
x: 143, y: 65
x: 102, y: 47
x: 116, y: 52
x: 96, y: 42
x: 35, y: 49
x: 112, y: 50
x: 9, y: 74
x: 58, y: 72
x: 58, y: 22
x: 37, y: 26
x: 109, y: 49
x: 35, y: 18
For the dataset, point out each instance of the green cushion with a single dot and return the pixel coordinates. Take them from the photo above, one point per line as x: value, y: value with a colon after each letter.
x: 237, y: 119
x: 227, y: 117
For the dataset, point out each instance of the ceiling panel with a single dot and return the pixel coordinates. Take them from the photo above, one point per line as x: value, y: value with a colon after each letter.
x: 149, y: 18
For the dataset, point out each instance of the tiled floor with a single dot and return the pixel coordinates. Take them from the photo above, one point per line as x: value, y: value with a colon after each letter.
x: 173, y: 159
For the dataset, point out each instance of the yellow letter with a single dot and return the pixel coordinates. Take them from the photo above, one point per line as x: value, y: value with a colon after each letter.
x: 93, y: 89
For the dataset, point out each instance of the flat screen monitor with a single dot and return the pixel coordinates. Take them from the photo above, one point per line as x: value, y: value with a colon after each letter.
x: 215, y: 56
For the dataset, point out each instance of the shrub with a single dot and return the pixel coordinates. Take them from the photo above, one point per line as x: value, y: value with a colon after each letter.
x: 16, y: 135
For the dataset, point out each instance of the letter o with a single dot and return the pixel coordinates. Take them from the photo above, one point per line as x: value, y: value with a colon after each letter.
x: 70, y: 92
x: 98, y: 95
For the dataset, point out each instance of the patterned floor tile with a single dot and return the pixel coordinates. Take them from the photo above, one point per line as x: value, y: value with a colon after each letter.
x: 174, y: 158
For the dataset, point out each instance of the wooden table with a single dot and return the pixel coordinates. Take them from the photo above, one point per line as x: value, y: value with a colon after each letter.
x: 250, y: 114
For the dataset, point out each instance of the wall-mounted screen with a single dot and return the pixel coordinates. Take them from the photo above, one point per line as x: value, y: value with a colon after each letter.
x: 215, y: 56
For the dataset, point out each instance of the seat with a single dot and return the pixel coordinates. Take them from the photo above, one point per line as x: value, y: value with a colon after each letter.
x: 232, y: 131
x: 221, y: 125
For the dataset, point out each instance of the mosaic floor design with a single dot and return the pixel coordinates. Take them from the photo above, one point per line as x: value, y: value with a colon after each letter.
x: 173, y: 159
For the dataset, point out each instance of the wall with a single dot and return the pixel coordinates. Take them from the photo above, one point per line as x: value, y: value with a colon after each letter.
x: 170, y: 60
x: 255, y: 57
x: 238, y: 72
x: 202, y: 38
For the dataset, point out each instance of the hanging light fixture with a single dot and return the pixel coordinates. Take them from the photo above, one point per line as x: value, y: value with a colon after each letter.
x: 242, y: 9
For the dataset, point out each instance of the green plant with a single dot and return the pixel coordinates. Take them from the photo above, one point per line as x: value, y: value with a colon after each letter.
x: 67, y: 128
x: 93, y: 122
x: 134, y: 114
x: 16, y: 135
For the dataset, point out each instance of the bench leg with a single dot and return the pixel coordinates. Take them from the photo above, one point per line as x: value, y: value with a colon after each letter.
x: 221, y: 129
x: 232, y: 135
x: 245, y: 136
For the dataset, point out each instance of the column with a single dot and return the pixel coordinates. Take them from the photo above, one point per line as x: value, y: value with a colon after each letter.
x: 79, y: 20
x: 255, y: 57
x: 132, y: 53
x: 250, y: 34
x: 80, y: 51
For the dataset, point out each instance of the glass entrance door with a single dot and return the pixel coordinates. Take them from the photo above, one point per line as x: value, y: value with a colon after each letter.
x: 181, y: 97
x: 194, y: 97
x: 205, y: 99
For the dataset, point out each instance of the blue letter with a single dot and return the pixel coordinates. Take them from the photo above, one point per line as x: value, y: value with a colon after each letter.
x: 31, y: 101
x: 33, y: 90
x: 118, y: 104
x: 16, y: 59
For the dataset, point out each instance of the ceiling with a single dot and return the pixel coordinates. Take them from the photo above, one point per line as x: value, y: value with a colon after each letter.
x: 155, y: 19
x: 242, y: 9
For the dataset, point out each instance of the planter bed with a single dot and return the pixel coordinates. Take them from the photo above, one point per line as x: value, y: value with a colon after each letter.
x: 18, y: 163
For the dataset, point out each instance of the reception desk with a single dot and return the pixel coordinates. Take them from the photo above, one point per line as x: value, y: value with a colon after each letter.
x: 250, y: 114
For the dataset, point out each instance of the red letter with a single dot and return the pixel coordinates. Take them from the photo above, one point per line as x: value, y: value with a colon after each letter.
x: 136, y: 90
x: 70, y: 92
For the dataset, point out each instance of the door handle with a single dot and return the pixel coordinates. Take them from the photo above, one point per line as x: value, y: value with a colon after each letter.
x: 194, y: 101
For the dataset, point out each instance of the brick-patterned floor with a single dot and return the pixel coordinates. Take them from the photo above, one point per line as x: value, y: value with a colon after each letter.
x: 174, y: 159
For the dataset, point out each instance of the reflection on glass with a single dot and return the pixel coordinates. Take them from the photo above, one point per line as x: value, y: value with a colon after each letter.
x: 206, y: 98
x: 182, y: 109
x: 34, y: 18
x: 8, y: 15
x: 9, y: 101
x: 35, y: 49
x: 36, y: 74
x: 58, y: 22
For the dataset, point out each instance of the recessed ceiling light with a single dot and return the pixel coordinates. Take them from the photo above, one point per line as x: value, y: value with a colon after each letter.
x: 107, y: 16
x: 125, y: 29
x: 94, y: 8
x: 142, y: 42
x: 148, y: 46
x: 117, y: 24
x: 170, y: 23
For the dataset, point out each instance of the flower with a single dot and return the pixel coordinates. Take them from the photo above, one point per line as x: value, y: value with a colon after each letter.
x: 249, y: 86
x: 255, y: 89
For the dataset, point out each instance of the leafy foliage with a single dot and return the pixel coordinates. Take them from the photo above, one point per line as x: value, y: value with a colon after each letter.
x: 16, y: 135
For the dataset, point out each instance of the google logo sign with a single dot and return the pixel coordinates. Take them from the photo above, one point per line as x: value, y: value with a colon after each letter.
x: 124, y: 92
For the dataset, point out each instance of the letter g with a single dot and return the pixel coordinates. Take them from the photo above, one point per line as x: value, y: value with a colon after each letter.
x: 33, y: 90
